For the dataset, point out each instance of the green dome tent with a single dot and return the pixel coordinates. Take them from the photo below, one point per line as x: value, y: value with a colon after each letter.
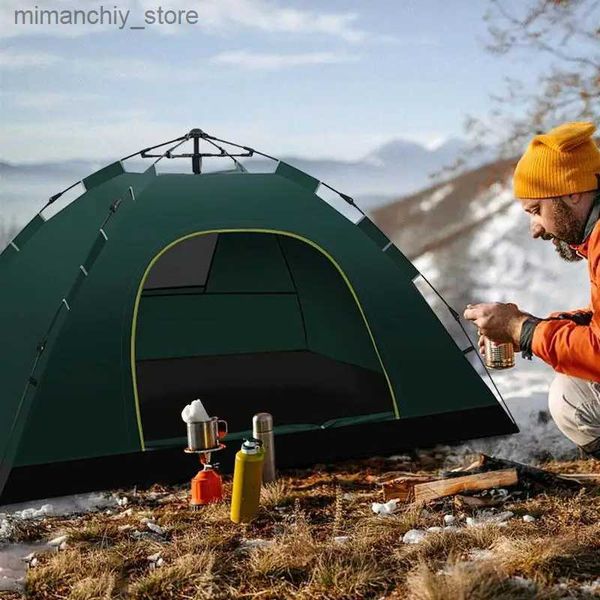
x: 246, y: 290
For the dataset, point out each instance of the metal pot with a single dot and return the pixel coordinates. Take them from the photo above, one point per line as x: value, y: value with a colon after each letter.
x: 205, y: 435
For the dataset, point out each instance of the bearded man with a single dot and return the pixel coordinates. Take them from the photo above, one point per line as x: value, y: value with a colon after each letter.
x: 557, y: 182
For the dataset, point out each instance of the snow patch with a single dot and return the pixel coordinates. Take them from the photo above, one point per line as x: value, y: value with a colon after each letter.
x: 524, y: 583
x: 14, y: 561
x: 593, y: 587
x: 253, y: 544
x: 5, y: 529
x: 46, y: 510
x: 59, y: 507
x: 492, y: 199
x: 528, y: 518
x: 526, y: 395
x: 57, y: 542
x: 489, y: 518
x: 414, y: 536
x: 155, y: 528
x: 341, y: 539
x: 449, y: 519
x: 384, y: 509
x: 480, y: 554
x: 436, y: 197
x: 426, y: 265
x: 15, y: 558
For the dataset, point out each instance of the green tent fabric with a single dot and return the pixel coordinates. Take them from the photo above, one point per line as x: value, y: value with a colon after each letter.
x: 244, y: 289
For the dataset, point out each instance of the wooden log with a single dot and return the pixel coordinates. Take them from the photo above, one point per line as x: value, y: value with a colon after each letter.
x: 425, y: 492
x: 473, y: 465
x: 389, y: 476
x: 586, y: 478
x: 526, y: 472
x: 402, y: 488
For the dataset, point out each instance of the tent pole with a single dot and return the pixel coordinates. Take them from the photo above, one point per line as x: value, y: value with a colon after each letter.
x: 196, y: 157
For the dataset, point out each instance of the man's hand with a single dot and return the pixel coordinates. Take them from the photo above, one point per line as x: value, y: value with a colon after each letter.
x: 498, y: 322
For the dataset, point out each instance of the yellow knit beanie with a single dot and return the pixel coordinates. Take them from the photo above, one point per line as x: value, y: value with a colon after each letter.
x: 563, y: 161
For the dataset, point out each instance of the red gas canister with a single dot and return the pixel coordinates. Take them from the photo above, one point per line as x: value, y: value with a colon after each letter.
x: 206, y: 487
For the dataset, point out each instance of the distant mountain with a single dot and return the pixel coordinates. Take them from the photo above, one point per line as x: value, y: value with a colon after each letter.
x: 25, y: 188
x: 398, y: 167
x: 71, y: 168
x: 397, y: 151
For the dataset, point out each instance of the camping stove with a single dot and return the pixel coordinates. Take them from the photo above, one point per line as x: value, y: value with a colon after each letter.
x: 203, y: 439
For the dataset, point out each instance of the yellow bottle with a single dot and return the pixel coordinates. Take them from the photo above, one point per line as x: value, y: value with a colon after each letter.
x: 247, y: 478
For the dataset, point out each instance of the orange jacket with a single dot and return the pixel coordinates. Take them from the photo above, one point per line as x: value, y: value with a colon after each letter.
x: 567, y: 345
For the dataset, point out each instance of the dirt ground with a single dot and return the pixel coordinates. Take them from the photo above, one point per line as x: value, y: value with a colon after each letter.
x: 316, y: 536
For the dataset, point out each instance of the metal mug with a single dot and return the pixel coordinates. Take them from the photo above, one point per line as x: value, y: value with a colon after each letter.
x: 205, y: 435
x: 498, y: 355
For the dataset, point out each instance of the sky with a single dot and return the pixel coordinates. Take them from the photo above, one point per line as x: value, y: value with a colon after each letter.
x: 289, y: 77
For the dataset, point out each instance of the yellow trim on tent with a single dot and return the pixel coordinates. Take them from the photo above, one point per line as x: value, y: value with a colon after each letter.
x: 273, y: 231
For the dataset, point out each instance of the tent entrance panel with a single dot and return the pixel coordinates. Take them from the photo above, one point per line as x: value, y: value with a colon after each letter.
x: 299, y: 388
x: 252, y: 322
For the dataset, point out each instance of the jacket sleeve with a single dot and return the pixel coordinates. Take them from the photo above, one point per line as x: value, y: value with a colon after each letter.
x: 582, y: 316
x: 569, y: 348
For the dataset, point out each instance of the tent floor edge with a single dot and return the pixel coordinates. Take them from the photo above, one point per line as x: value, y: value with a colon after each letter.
x: 171, y: 465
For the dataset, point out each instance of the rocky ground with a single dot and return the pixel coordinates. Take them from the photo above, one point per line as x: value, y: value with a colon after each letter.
x: 316, y: 536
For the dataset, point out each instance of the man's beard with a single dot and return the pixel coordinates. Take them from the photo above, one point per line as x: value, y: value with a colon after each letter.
x: 565, y: 251
x: 569, y: 231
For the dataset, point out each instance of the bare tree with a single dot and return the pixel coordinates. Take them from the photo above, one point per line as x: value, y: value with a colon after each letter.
x: 563, y: 35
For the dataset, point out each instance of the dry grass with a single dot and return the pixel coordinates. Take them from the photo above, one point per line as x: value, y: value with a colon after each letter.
x: 544, y: 558
x: 276, y: 494
x: 189, y: 576
x: 293, y: 549
x: 75, y: 574
x: 204, y: 554
x: 347, y: 572
x: 463, y: 582
x: 94, y: 588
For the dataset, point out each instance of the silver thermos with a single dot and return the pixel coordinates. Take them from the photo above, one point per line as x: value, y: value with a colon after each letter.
x: 262, y: 429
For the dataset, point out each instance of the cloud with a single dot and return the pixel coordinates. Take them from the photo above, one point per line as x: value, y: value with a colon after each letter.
x: 15, y: 60
x: 214, y: 17
x: 50, y: 100
x: 139, y: 69
x: 108, y: 67
x: 110, y: 137
x: 269, y: 16
x: 152, y: 71
x: 263, y: 61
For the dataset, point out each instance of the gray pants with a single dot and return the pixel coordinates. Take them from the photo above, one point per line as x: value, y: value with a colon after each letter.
x: 575, y: 407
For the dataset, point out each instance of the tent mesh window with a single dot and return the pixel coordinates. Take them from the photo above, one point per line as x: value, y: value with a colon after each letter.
x: 242, y: 320
x: 186, y: 265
